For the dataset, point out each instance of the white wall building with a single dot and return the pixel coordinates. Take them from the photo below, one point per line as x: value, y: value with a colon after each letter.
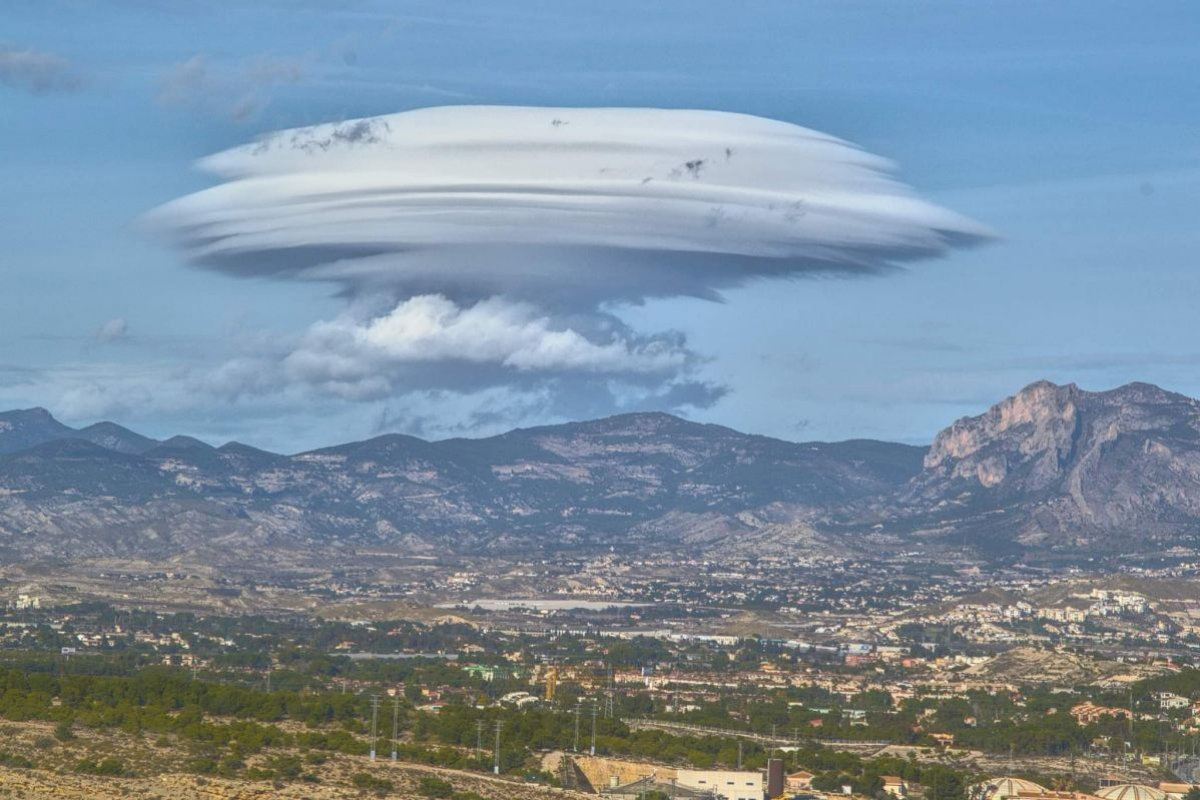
x: 727, y: 784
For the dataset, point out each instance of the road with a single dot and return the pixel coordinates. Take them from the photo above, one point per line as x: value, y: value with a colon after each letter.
x: 762, y: 738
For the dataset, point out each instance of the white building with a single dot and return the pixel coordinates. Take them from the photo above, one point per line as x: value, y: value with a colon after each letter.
x: 28, y: 601
x: 1169, y: 700
x: 727, y: 784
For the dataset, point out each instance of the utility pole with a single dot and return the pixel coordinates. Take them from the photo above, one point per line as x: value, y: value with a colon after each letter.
x: 575, y: 746
x: 374, y: 722
x: 739, y: 753
x: 479, y: 741
x: 595, y: 710
x: 496, y: 765
x: 395, y: 727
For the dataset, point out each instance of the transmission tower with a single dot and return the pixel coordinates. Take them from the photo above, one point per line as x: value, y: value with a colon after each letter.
x: 374, y: 722
x: 395, y: 727
x: 595, y: 712
x: 608, y: 696
x: 496, y: 765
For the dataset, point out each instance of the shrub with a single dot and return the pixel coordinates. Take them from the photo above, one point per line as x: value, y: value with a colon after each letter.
x: 287, y: 767
x: 431, y: 786
x: 365, y: 780
x: 8, y: 759
x: 63, y: 732
x: 105, y: 766
x: 202, y: 766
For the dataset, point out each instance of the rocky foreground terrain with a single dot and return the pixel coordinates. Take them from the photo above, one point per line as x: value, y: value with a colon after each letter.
x: 1051, y: 470
x: 48, y: 769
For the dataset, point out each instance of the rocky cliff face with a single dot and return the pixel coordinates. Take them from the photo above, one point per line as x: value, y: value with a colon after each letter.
x: 1034, y: 430
x: 1059, y: 467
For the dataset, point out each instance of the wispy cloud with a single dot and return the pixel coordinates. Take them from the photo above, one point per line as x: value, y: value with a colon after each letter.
x: 238, y: 91
x: 37, y: 72
x: 113, y: 330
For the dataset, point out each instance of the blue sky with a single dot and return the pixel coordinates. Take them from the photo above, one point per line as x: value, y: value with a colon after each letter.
x: 1071, y: 129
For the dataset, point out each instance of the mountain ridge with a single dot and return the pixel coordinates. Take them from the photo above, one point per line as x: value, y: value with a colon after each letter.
x: 586, y: 484
x: 1052, y: 469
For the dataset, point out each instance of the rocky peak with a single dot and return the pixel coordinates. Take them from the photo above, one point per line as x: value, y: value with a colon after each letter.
x: 1038, y: 421
x: 1052, y: 464
x: 28, y: 427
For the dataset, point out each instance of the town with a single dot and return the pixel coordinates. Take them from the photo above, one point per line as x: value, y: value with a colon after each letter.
x: 766, y: 677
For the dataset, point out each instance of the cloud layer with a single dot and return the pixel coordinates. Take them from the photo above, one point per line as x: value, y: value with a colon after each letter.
x: 573, y: 206
x: 485, y: 247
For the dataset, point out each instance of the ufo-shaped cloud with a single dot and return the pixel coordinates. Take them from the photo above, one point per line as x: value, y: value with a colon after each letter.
x: 578, y: 205
x: 487, y: 246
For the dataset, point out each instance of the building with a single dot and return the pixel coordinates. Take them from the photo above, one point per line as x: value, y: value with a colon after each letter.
x: 1170, y: 700
x: 895, y: 785
x: 775, y: 782
x: 1088, y: 712
x: 25, y: 601
x: 799, y: 781
x: 1131, y: 791
x: 1005, y: 788
x: 652, y: 786
x: 725, y: 784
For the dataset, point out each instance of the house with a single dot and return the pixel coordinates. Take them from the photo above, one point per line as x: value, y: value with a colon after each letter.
x: 1087, y: 713
x: 895, y: 785
x: 799, y: 781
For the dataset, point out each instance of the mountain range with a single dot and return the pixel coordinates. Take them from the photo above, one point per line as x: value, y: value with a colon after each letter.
x: 1052, y: 470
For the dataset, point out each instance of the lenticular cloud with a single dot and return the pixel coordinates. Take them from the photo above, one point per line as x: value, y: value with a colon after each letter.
x: 490, y: 246
x: 563, y: 206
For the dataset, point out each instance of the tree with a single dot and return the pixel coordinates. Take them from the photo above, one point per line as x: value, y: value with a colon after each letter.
x: 63, y: 732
